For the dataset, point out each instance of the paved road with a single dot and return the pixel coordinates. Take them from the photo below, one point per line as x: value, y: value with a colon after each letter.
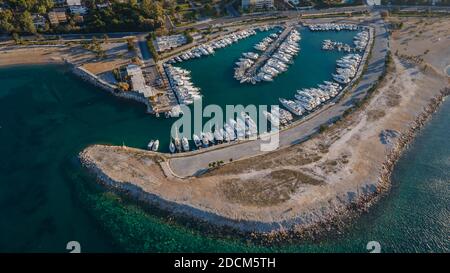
x: 287, y: 13
x: 143, y: 48
x: 198, y: 163
x: 68, y: 37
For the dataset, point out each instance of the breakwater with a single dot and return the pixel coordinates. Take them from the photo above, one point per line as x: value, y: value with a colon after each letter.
x: 88, y: 76
x: 336, y: 214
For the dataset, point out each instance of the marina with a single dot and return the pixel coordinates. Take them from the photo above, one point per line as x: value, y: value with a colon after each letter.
x: 355, y: 127
x: 290, y: 85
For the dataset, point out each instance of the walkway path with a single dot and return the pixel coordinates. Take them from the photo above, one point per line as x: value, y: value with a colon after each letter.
x: 197, y: 163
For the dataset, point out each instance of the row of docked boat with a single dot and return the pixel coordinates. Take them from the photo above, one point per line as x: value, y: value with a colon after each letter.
x: 332, y: 45
x: 243, y: 127
x: 281, y: 59
x: 267, y: 27
x: 282, y: 117
x: 308, y: 99
x: 276, y: 64
x: 181, y: 84
x: 347, y: 68
x: 153, y: 145
x: 265, y: 43
x: 209, y: 48
x: 179, y: 145
x: 361, y: 40
x: 332, y: 26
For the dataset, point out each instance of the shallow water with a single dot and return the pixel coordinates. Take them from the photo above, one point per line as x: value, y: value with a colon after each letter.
x: 46, y: 199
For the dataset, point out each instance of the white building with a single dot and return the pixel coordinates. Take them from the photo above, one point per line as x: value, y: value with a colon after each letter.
x: 38, y: 21
x: 373, y: 2
x: 73, y: 2
x: 259, y: 4
x: 164, y: 43
x: 138, y: 81
x: 78, y: 10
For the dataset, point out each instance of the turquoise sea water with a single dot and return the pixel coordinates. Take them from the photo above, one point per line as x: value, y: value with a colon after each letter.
x: 46, y: 199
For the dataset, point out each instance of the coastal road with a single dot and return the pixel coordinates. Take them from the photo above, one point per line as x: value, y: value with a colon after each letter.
x: 260, y: 15
x: 197, y: 163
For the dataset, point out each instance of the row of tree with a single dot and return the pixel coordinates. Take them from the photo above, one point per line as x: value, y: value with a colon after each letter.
x: 16, y: 16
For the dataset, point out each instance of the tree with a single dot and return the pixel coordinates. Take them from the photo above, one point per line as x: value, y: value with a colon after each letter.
x: 157, y: 13
x: 130, y: 44
x: 26, y: 22
x: 123, y: 86
x: 16, y: 38
x: 6, y: 21
x: 189, y: 38
x: 43, y: 6
x: 147, y: 7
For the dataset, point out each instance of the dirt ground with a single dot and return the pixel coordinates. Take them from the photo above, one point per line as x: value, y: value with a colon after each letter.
x: 426, y: 39
x: 117, y: 54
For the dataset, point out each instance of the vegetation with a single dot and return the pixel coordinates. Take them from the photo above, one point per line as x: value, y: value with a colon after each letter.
x: 131, y: 45
x: 16, y: 16
x: 333, y: 3
x: 95, y: 46
x: 323, y: 128
x: 189, y: 38
x: 415, y: 2
x: 123, y: 86
x: 427, y: 13
x: 151, y: 47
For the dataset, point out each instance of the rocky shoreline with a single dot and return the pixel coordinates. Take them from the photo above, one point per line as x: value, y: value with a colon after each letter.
x: 335, y: 217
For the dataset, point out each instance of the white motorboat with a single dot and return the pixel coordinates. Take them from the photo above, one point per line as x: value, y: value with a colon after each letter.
x: 197, y: 141
x: 172, y: 147
x: 185, y: 143
x: 150, y: 144
x: 155, y: 146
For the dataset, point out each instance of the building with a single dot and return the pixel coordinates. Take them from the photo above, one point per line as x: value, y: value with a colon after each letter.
x: 59, y: 2
x: 73, y: 2
x: 164, y: 43
x: 293, y: 2
x: 80, y: 10
x: 373, y: 2
x: 259, y: 4
x: 138, y: 81
x: 39, y: 21
x: 57, y: 16
x: 67, y: 2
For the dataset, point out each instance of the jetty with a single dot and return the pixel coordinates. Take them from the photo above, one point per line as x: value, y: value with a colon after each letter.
x: 274, y: 59
x: 270, y: 50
